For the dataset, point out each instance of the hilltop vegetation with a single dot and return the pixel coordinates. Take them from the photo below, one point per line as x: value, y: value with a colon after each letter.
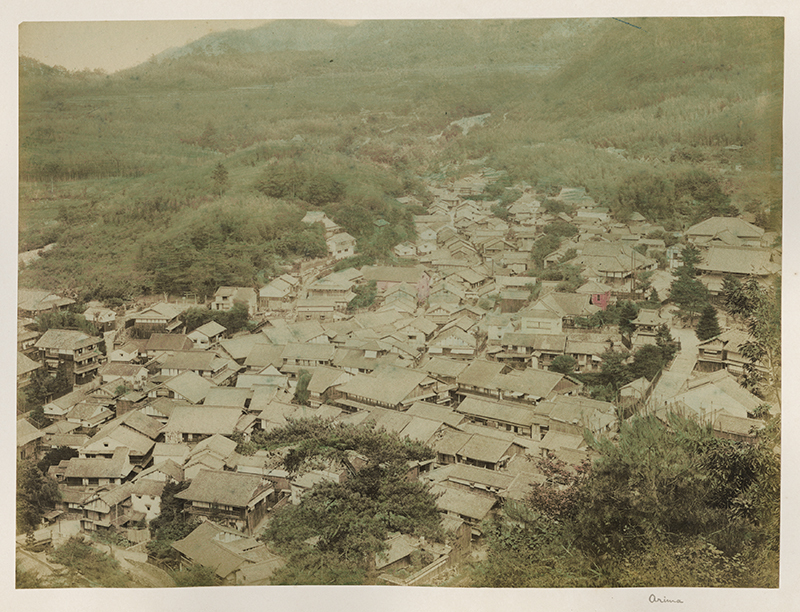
x: 675, y: 115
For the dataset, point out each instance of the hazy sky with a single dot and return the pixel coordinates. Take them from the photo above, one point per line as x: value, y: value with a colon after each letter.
x: 113, y: 45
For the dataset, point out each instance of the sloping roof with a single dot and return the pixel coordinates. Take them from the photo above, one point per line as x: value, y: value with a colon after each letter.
x: 312, y: 352
x: 471, y: 473
x: 262, y: 355
x: 216, y: 444
x: 716, y: 225
x: 582, y: 411
x: 390, y: 420
x: 116, y: 467
x: 190, y: 385
x: 203, y: 420
x: 480, y: 373
x: 718, y: 392
x: 293, y: 332
x: 165, y: 405
x: 462, y: 502
x: 38, y: 300
x: 420, y: 429
x: 538, y: 342
x: 741, y: 426
x: 449, y: 442
x: 227, y: 397
x: 114, y: 435
x: 442, y: 367
x: 167, y: 466
x: 203, y: 549
x: 398, y: 547
x: 276, y: 412
x: 27, y: 433
x: 227, y: 488
x: 434, y: 412
x: 392, y: 274
x: 389, y: 384
x: 554, y: 440
x: 568, y: 304
x: 26, y: 365
x: 324, y: 377
x: 485, y: 448
x: 610, y: 257
x: 735, y: 260
x: 168, y: 342
x: 121, y: 369
x: 341, y: 238
x: 531, y: 381
x: 593, y: 287
x: 65, y: 340
x: 161, y: 311
x: 210, y: 329
x: 498, y: 411
x: 239, y: 347
x: 205, y: 361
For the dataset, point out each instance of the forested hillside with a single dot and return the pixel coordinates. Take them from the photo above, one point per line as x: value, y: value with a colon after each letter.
x: 678, y: 119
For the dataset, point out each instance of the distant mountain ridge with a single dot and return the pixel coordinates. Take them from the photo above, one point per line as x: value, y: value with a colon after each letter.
x: 285, y: 35
x: 404, y: 42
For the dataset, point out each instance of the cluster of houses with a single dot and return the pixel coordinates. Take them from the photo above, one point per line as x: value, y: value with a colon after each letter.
x: 454, y: 354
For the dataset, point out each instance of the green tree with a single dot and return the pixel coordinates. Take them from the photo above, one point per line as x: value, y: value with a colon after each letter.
x: 365, y: 296
x: 734, y: 298
x: 666, y: 342
x: 647, y: 194
x: 627, y: 313
x: 614, y: 372
x: 707, y: 326
x: 40, y: 390
x: 763, y: 350
x: 542, y: 248
x: 321, y: 189
x: 61, y: 384
x: 648, y: 361
x: 55, y: 456
x: 170, y: 525
x: 687, y: 291
x: 560, y: 228
x: 282, y: 181
x: 220, y: 178
x: 348, y: 521
x: 36, y: 494
x: 301, y: 393
x: 563, y: 364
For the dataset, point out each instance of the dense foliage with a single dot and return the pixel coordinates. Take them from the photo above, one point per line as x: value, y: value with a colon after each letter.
x: 760, y: 308
x: 169, y: 526
x: 338, y: 527
x: 365, y: 296
x: 87, y: 566
x: 234, y: 320
x: 36, y: 495
x: 666, y: 505
x: 618, y: 369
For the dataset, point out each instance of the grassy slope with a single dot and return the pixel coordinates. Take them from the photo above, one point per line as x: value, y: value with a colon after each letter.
x: 133, y: 139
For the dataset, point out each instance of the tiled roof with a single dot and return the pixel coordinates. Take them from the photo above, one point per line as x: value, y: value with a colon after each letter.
x: 203, y: 420
x: 228, y: 488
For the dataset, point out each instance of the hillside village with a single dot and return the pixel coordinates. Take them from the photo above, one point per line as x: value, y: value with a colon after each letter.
x: 455, y: 346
